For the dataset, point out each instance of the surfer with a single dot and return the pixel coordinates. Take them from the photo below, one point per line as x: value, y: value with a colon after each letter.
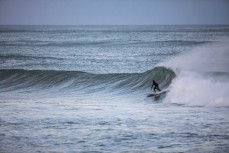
x: 155, y: 86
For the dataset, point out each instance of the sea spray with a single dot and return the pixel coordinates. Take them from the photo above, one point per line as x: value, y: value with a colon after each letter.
x: 212, y: 57
x: 202, y: 76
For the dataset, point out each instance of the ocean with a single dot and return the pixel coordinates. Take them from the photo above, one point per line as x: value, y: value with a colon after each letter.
x: 84, y: 89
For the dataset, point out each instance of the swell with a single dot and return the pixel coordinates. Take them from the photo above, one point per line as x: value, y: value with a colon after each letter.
x: 25, y: 57
x: 14, y: 79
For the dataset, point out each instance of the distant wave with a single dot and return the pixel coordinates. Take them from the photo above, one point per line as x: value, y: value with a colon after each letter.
x: 18, y: 56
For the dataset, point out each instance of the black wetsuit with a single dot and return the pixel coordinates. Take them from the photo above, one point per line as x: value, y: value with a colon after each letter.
x: 155, y: 86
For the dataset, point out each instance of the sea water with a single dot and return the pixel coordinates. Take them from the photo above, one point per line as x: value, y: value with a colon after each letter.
x: 84, y: 89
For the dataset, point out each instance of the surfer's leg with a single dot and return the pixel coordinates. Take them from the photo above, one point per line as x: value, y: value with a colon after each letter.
x: 158, y: 88
x: 154, y: 89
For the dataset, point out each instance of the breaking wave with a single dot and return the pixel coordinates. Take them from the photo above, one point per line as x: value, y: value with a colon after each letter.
x: 14, y: 79
x: 198, y: 78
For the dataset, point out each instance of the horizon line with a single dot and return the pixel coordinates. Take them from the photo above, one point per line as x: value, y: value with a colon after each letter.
x: 114, y: 24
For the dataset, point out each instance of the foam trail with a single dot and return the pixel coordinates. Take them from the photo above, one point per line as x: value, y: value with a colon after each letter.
x: 202, y: 76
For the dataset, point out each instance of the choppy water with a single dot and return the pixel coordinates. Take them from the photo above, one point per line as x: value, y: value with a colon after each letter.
x: 84, y: 88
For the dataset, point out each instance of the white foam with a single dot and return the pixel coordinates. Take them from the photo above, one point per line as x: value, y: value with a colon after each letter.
x: 194, y: 85
x: 193, y: 89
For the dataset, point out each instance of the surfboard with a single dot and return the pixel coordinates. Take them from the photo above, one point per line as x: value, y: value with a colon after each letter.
x: 157, y: 93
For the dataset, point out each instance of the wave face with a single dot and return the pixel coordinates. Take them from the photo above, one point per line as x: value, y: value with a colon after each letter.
x: 202, y: 76
x: 16, y: 79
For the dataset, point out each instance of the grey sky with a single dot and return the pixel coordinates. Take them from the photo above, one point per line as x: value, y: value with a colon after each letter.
x: 113, y: 12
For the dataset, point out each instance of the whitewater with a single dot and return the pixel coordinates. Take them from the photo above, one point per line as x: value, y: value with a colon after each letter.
x: 84, y: 88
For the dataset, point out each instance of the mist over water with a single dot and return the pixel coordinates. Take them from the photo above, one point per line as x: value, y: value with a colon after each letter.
x: 84, y: 89
x: 211, y: 57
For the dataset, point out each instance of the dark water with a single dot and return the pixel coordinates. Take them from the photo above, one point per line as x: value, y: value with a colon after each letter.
x: 84, y: 88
